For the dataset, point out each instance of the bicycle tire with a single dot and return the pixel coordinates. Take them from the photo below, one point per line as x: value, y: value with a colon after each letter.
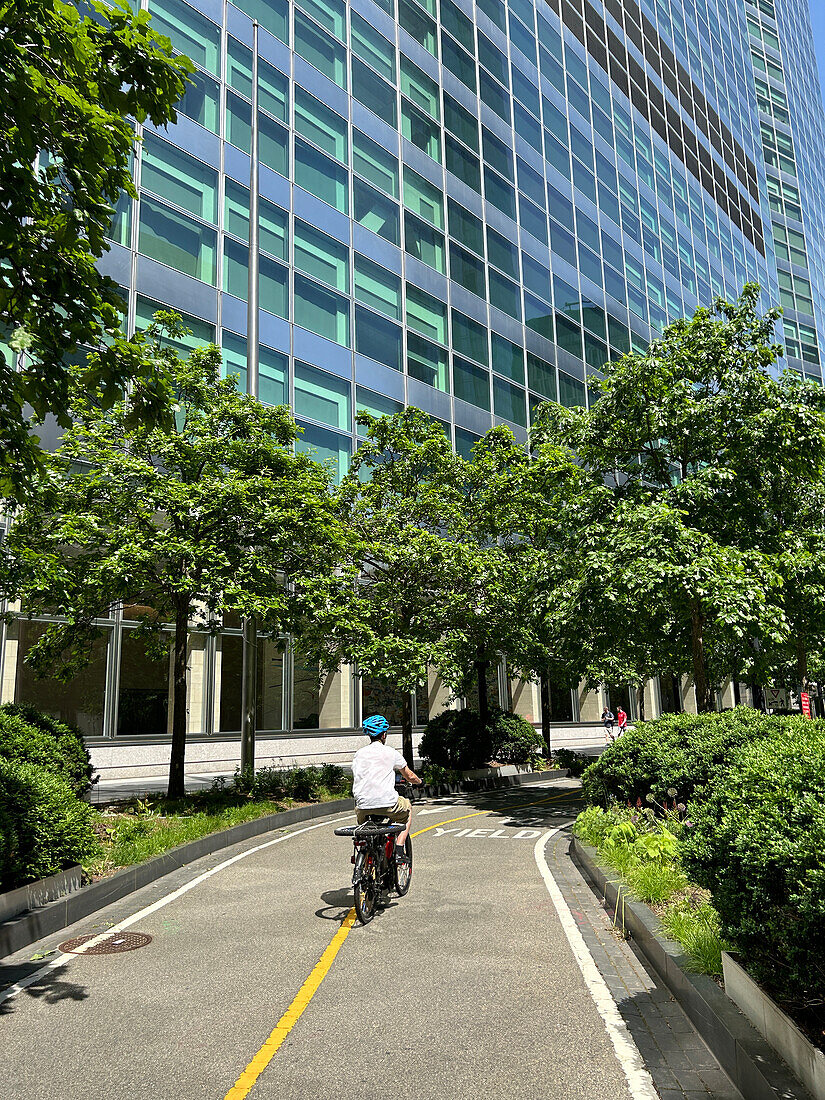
x: 403, y: 876
x: 365, y: 887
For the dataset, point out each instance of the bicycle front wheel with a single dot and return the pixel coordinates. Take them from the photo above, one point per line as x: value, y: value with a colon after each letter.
x: 403, y: 871
x: 365, y: 887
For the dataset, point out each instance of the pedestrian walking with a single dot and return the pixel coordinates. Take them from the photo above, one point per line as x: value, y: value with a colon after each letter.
x: 621, y: 720
x: 608, y: 717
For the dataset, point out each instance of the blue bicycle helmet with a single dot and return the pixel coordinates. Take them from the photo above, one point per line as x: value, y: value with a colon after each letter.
x: 375, y: 726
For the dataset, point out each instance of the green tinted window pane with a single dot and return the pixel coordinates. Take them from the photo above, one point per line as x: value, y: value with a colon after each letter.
x: 526, y: 127
x: 375, y: 163
x: 120, y: 228
x: 571, y: 391
x: 273, y: 369
x: 177, y: 241
x: 456, y: 22
x: 426, y: 314
x: 273, y: 86
x: 423, y: 198
x: 189, y: 31
x: 458, y: 61
x: 492, y: 59
x: 376, y: 404
x: 417, y: 24
x: 273, y: 145
x: 239, y: 67
x: 466, y: 227
x: 428, y: 363
x: 273, y: 222
x: 504, y: 294
x: 331, y: 14
x: 374, y: 93
x: 320, y: 50
x: 179, y: 178
x: 372, y: 47
x: 329, y: 448
x: 533, y: 220
x: 273, y: 279
x: 497, y: 154
x: 321, y: 256
x: 538, y: 316
x: 321, y: 125
x: 462, y: 163
x: 321, y: 311
x: 502, y: 253
x: 509, y: 402
x: 322, y: 396
x: 496, y: 98
x: 541, y: 376
x: 467, y: 270
x: 595, y: 352
x: 464, y: 443
x: 202, y: 101
x: 321, y: 176
x: 494, y: 9
x: 460, y: 122
x: 536, y: 276
x: 377, y: 287
x: 376, y: 212
x: 424, y: 243
x: 499, y: 193
x: 508, y: 358
x: 470, y: 338
x: 420, y: 130
x: 201, y: 332
x: 568, y: 336
x: 234, y: 361
x: 238, y: 122
x: 419, y: 88
x: 271, y: 14
x: 377, y: 338
x: 471, y: 383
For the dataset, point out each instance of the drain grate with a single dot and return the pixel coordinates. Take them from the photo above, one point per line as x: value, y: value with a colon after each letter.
x: 111, y: 945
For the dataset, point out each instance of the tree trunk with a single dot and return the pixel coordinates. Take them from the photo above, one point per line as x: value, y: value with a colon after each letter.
x: 737, y: 695
x: 177, y: 786
x: 640, y: 700
x: 407, y: 729
x: 700, y: 672
x: 545, y: 716
x: 802, y: 663
x: 483, y: 701
x: 758, y: 699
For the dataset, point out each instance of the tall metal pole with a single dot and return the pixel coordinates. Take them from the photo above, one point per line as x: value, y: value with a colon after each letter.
x: 249, y: 692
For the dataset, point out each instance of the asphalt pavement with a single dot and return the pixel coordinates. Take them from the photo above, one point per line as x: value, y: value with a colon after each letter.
x: 480, y: 983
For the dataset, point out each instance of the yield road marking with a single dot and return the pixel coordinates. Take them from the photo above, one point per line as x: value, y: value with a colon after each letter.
x: 631, y: 1061
x: 489, y: 834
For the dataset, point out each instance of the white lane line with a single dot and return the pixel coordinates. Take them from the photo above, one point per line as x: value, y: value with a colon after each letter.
x: 63, y: 958
x: 631, y: 1061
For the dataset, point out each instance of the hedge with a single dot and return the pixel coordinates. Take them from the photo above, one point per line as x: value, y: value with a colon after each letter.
x: 44, y: 827
x: 27, y: 734
x: 458, y: 740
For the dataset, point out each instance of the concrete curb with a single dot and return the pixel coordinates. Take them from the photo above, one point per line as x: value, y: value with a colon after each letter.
x: 34, y: 925
x: 492, y: 783
x: 750, y: 1062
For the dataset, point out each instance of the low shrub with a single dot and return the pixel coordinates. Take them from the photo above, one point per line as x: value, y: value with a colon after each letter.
x: 575, y: 762
x: 756, y: 842
x: 514, y: 739
x: 44, y: 827
x: 456, y: 740
x: 297, y: 784
x: 29, y: 735
x: 681, y: 752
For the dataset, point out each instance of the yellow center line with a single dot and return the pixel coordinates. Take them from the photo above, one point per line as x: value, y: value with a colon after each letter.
x: 242, y: 1087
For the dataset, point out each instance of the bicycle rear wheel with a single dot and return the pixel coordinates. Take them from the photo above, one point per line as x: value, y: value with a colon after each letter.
x: 365, y: 887
x: 403, y: 873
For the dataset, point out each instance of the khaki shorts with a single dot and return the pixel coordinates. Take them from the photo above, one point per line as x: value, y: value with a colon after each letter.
x: 399, y: 813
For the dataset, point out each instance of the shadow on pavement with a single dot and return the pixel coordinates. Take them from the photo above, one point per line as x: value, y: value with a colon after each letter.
x: 50, y: 989
x: 338, y: 904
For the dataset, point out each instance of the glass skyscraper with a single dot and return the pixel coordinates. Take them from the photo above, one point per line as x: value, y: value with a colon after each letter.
x: 467, y: 207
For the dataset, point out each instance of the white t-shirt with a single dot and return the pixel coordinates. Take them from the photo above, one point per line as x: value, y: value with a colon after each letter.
x: 373, y: 776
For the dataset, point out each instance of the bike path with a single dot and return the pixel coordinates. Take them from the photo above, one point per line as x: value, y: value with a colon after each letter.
x: 467, y: 987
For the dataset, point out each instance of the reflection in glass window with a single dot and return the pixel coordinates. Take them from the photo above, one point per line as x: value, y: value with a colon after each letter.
x: 273, y: 222
x: 270, y: 684
x: 319, y: 49
x: 420, y: 88
x: 374, y: 93
x: 424, y: 243
x: 273, y: 279
x: 376, y: 404
x: 382, y: 697
x: 321, y: 256
x: 377, y: 338
x: 306, y: 681
x: 200, y: 332
x: 571, y: 390
x: 321, y: 311
x: 470, y: 338
x: 372, y: 47
x: 177, y: 241
x: 463, y: 164
x: 321, y: 125
x: 180, y: 179
x: 375, y: 164
x: 420, y: 130
x: 328, y: 447
x: 229, y: 682
x: 321, y: 176
x: 541, y: 376
x: 423, y: 198
x: 419, y: 25
x: 427, y: 362
x: 144, y: 707
x: 234, y: 358
x: 471, y: 383
x: 331, y: 14
x: 322, y: 396
x: 426, y: 314
x: 507, y: 358
x: 467, y: 270
x: 466, y: 227
x: 201, y: 101
x: 271, y: 14
x: 189, y: 31
x: 376, y: 213
x: 509, y: 402
x: 377, y: 287
x: 504, y: 294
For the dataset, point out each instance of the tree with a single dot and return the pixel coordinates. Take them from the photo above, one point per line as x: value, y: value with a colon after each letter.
x: 71, y: 85
x: 383, y: 608
x: 690, y: 437
x: 208, y: 512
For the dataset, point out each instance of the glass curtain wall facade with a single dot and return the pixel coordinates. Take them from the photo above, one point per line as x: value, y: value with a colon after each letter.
x: 467, y: 207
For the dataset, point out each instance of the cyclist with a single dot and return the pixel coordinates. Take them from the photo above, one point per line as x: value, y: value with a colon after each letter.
x: 373, y: 780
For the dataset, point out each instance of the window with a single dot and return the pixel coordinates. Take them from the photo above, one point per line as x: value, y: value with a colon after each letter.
x: 467, y: 270
x: 427, y: 362
x: 372, y: 47
x: 509, y: 402
x: 233, y: 355
x: 273, y: 222
x: 322, y: 396
x: 321, y: 176
x: 418, y: 25
x: 177, y: 241
x: 179, y: 178
x: 273, y: 279
x: 458, y: 61
x: 541, y: 376
x: 375, y: 163
x: 464, y: 165
x: 420, y: 130
x: 273, y: 86
x: 376, y: 213
x: 499, y: 193
x: 466, y: 227
x: 321, y: 256
x: 508, y: 358
x: 377, y: 338
x: 200, y: 332
x: 316, y: 47
x: 273, y: 139
x: 378, y: 288
x: 502, y: 253
x: 376, y: 404
x: 271, y: 14
x: 423, y: 198
x: 471, y: 383
x: 460, y: 122
x: 189, y: 31
x: 426, y: 314
x: 504, y: 294
x: 202, y: 101
x: 538, y: 316
x: 424, y: 243
x: 330, y: 14
x: 571, y: 391
x: 469, y: 338
x: 321, y: 125
x: 374, y: 93
x: 335, y: 450
x: 321, y: 311
x: 418, y: 87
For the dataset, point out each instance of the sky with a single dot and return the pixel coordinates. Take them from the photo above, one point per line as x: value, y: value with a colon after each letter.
x: 818, y: 20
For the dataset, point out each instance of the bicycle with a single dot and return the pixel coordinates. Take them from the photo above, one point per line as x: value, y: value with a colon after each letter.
x: 376, y: 866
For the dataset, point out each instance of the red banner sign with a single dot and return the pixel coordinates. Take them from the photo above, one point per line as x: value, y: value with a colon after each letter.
x: 805, y: 700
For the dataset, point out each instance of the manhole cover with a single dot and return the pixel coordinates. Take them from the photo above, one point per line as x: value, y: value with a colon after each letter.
x: 111, y: 945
